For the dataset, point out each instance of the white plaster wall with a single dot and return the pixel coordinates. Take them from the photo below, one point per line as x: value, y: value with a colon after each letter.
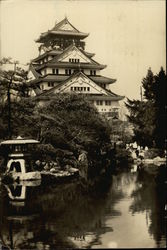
x: 45, y: 86
x: 107, y: 108
x: 74, y: 54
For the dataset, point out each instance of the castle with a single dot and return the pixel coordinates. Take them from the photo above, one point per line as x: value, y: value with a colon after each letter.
x: 63, y: 65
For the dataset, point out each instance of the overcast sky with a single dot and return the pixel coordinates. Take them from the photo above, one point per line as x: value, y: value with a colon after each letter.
x: 126, y: 35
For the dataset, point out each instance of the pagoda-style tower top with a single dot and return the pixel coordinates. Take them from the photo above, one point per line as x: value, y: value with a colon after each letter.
x: 62, y: 35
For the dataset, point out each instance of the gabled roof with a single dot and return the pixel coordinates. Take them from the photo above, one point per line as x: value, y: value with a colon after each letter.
x: 78, y: 77
x: 64, y: 28
x: 86, y: 62
x: 70, y: 49
x: 58, y: 52
x: 33, y: 71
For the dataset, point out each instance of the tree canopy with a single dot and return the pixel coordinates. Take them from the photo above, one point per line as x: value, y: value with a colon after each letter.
x: 148, y: 115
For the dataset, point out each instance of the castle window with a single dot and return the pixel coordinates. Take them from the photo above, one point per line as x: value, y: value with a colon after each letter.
x: 88, y: 88
x: 91, y: 72
x: 71, y: 88
x: 84, y: 88
x: 57, y: 71
x: 68, y: 71
x: 108, y: 103
x: 53, y: 71
x: 94, y: 72
x: 99, y: 102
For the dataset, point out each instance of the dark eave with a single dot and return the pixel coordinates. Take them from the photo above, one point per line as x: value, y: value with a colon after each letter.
x: 60, y: 78
x: 102, y: 79
x: 105, y: 97
x: 71, y: 65
x: 53, y: 34
x: 52, y: 52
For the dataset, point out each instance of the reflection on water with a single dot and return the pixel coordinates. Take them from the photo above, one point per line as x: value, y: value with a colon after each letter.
x: 128, y: 211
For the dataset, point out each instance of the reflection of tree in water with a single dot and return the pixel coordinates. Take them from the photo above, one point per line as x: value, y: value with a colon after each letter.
x: 150, y: 196
x: 62, y: 215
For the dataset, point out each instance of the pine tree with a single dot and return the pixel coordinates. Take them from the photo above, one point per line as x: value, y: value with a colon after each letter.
x: 149, y: 116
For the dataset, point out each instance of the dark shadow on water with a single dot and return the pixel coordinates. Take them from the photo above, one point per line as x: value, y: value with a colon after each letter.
x: 73, y: 215
x: 150, y: 195
x: 53, y: 217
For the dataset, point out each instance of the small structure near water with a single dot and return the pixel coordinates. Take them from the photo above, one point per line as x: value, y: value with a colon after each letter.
x: 18, y: 167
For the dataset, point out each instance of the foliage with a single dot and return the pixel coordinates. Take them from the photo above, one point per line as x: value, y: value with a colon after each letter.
x: 149, y: 116
x: 65, y: 121
x: 14, y: 80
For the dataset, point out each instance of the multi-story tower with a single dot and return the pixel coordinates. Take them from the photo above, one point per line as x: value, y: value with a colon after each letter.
x: 63, y: 65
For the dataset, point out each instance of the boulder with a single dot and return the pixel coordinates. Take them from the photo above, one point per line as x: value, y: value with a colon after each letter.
x: 52, y: 170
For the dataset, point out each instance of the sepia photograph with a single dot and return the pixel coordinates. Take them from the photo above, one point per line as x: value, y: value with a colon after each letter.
x: 83, y: 118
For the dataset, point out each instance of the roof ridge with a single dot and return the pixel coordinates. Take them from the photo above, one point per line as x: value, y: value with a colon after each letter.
x: 64, y: 21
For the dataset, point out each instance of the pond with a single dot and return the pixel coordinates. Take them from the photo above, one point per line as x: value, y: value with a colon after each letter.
x: 125, y: 211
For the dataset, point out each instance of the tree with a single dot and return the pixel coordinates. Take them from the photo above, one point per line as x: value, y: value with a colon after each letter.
x: 13, y: 84
x: 148, y: 116
x: 160, y: 108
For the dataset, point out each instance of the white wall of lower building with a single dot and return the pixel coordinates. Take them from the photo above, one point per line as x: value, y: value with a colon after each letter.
x: 62, y: 71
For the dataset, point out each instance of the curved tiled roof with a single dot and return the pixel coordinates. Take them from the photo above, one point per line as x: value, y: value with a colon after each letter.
x: 71, y: 65
x: 58, y: 52
x: 102, y: 79
x: 61, y: 78
x: 58, y: 31
x: 105, y: 97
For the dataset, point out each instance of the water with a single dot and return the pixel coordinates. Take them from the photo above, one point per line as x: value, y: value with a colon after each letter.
x: 125, y: 212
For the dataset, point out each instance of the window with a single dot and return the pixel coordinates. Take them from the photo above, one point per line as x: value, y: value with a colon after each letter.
x: 71, y: 88
x: 52, y: 84
x: 88, y: 88
x: 68, y: 71
x: 108, y: 103
x: 53, y: 71
x: 57, y: 71
x: 99, y: 102
x: 92, y: 72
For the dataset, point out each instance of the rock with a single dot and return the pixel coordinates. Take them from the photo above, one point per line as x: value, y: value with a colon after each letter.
x: 73, y: 170
x: 38, y: 162
x: 46, y: 167
x: 67, y: 167
x: 52, y: 170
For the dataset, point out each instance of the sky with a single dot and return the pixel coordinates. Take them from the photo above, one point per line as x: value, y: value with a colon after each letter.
x: 126, y: 35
